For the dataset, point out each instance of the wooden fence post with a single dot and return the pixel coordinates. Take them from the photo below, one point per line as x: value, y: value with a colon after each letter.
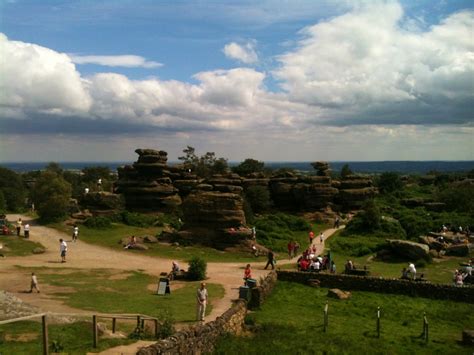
x: 95, y: 337
x: 326, y: 318
x: 114, y: 320
x: 378, y: 322
x: 44, y: 322
x: 156, y: 328
x: 425, y: 327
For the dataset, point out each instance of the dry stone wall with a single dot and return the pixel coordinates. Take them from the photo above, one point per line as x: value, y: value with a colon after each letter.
x: 374, y: 284
x: 201, y: 339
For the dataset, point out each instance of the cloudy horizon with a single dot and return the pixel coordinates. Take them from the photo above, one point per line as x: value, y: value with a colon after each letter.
x: 336, y: 81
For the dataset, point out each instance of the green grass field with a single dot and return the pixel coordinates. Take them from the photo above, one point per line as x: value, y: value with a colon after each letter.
x: 134, y: 292
x: 24, y: 338
x: 17, y: 246
x: 291, y: 322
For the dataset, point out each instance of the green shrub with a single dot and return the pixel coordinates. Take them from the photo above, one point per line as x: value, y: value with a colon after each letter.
x: 275, y: 230
x: 166, y: 325
x: 98, y: 222
x: 138, y: 219
x: 197, y: 269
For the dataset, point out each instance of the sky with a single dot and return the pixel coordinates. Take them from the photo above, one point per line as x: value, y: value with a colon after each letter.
x: 337, y: 80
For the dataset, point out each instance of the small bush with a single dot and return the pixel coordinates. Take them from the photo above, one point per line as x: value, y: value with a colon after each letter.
x: 98, y: 222
x: 138, y: 220
x: 197, y: 269
x: 166, y: 325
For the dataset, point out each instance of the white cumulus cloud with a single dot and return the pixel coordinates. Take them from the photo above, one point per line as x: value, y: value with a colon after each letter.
x: 244, y: 53
x: 126, y: 60
x: 38, y: 79
x: 363, y: 64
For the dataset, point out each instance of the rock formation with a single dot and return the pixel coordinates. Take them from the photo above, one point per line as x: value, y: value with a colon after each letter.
x: 147, y: 184
x: 354, y: 190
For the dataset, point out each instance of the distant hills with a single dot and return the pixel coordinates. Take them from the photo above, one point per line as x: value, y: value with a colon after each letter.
x: 371, y: 167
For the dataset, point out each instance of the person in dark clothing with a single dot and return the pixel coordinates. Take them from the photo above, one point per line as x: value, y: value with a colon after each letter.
x: 270, y: 259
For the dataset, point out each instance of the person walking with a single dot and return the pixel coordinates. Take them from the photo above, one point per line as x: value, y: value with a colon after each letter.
x: 26, y: 230
x: 63, y: 250
x: 75, y: 233
x: 311, y: 237
x: 270, y: 259
x: 321, y: 238
x: 34, y: 283
x: 201, y: 297
x: 18, y: 227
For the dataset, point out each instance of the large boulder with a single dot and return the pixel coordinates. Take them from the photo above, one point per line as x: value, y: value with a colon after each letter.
x: 408, y: 249
x: 458, y: 250
x: 339, y: 294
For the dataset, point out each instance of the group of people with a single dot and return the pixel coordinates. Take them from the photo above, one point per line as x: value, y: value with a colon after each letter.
x: 19, y: 225
x: 311, y: 262
x: 293, y: 248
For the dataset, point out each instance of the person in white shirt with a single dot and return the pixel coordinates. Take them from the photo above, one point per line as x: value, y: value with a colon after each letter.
x: 34, y: 283
x: 201, y: 297
x: 75, y: 233
x: 26, y: 229
x: 63, y: 250
x: 412, y: 270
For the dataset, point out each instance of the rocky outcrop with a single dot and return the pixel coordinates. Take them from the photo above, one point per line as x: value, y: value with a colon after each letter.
x: 291, y: 191
x: 102, y: 200
x: 354, y: 190
x: 407, y: 249
x: 459, y: 249
x: 147, y: 184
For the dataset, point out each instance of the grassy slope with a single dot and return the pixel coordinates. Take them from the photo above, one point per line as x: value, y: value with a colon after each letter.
x: 290, y: 322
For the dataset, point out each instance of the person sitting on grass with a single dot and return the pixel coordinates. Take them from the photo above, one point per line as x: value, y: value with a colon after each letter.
x: 348, y: 267
x: 131, y: 244
x: 412, y: 270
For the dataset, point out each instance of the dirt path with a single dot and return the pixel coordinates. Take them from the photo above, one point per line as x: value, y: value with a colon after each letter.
x: 82, y: 255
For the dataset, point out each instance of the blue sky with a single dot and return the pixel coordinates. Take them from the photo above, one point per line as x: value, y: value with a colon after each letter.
x: 273, y: 80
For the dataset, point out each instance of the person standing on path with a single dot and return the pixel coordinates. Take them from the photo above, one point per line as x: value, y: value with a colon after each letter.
x: 75, y: 232
x: 321, y: 238
x: 311, y: 237
x: 202, y: 296
x: 34, y: 283
x: 270, y: 259
x: 18, y: 227
x: 26, y: 230
x: 63, y: 250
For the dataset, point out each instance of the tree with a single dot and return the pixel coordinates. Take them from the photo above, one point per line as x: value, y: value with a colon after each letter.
x: 51, y: 196
x: 11, y: 186
x: 346, y: 171
x: 389, y: 182
x: 93, y: 173
x: 371, y: 215
x: 55, y: 168
x: 249, y: 166
x: 205, y: 165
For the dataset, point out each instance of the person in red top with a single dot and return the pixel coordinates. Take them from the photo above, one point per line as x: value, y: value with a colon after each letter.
x: 304, y: 264
x: 311, y: 237
x: 247, y: 272
x: 291, y: 249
